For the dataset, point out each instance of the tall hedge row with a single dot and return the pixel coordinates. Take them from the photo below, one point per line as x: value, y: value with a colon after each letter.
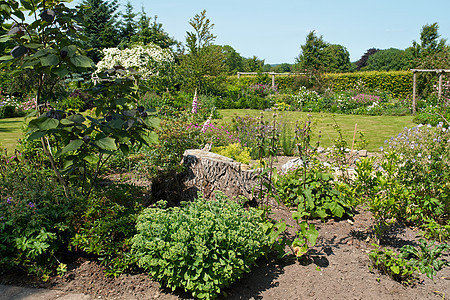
x: 397, y: 83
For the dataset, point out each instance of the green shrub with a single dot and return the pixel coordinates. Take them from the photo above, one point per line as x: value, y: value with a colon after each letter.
x: 201, y: 247
x: 35, y: 217
x: 397, y: 83
x: 234, y: 151
x: 390, y: 263
x: 313, y: 192
x: 108, y: 224
x: 7, y: 111
x: 75, y: 103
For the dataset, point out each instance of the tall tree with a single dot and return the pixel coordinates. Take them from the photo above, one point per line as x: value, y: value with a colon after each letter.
x: 233, y: 60
x: 101, y: 28
x: 429, y: 41
x: 205, y: 61
x: 311, y: 54
x: 129, y: 24
x: 362, y: 62
x: 149, y: 31
x: 391, y: 59
x: 202, y: 35
x: 335, y: 58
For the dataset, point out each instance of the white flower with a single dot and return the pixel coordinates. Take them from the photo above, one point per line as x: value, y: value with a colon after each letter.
x: 144, y: 60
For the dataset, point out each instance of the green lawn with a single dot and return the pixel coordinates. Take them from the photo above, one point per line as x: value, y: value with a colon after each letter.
x: 376, y: 129
x: 10, y: 132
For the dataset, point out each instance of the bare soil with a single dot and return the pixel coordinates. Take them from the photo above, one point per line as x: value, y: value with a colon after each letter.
x: 336, y: 268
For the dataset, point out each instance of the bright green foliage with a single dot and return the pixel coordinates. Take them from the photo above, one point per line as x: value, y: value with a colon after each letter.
x: 390, y: 60
x: 397, y: 83
x: 385, y: 195
x: 110, y: 218
x: 35, y: 217
x: 200, y: 247
x: 49, y: 45
x: 314, y: 194
x: 390, y: 263
x: 306, y: 237
x: 425, y: 258
x: 234, y: 151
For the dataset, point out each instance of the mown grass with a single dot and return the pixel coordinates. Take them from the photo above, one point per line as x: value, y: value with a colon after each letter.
x: 10, y: 132
x: 376, y: 129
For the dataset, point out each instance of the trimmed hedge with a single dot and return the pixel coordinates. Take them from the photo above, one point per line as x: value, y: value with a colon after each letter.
x: 397, y: 83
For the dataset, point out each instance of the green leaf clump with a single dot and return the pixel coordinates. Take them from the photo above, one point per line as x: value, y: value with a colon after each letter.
x: 201, y: 247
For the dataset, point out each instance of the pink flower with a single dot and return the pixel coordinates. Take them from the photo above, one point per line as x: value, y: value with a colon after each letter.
x: 195, y: 103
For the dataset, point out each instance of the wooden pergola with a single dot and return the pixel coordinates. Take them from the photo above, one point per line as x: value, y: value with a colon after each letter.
x: 437, y: 71
x: 273, y: 74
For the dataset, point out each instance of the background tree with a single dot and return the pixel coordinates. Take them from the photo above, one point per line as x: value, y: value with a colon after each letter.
x: 234, y: 62
x: 335, y: 58
x: 205, y: 62
x: 253, y: 64
x: 429, y: 41
x: 149, y: 31
x: 129, y: 25
x: 362, y: 62
x: 391, y: 59
x: 311, y: 56
x: 100, y: 26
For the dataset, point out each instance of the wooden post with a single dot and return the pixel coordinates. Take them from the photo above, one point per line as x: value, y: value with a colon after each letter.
x: 273, y: 80
x: 414, y: 93
x: 239, y: 74
x: 440, y: 85
x: 354, y: 137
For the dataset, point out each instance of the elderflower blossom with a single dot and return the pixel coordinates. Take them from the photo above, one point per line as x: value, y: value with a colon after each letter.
x: 142, y: 59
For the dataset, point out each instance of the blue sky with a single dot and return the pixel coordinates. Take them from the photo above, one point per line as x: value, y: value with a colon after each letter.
x: 274, y: 30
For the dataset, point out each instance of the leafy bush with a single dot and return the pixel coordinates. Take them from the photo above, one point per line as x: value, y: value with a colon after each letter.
x: 234, y: 151
x: 108, y: 224
x: 200, y: 247
x: 7, y: 111
x: 390, y: 263
x: 35, y: 217
x: 398, y: 83
x: 426, y: 257
x: 312, y: 192
x: 410, y: 182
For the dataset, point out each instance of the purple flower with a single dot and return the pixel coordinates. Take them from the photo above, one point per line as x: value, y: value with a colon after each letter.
x: 8, y: 200
x: 31, y: 204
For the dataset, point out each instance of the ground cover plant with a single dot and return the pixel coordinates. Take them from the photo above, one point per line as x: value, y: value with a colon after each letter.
x: 201, y: 247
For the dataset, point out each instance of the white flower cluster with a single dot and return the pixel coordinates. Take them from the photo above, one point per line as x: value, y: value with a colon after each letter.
x: 144, y: 60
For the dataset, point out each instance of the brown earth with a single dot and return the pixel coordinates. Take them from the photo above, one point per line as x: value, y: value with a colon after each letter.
x: 336, y: 268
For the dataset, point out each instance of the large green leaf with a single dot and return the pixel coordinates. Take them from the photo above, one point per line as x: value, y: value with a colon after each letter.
x: 76, y: 118
x: 72, y: 146
x: 81, y: 61
x: 49, y: 60
x: 106, y: 143
x: 45, y: 123
x: 36, y: 135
